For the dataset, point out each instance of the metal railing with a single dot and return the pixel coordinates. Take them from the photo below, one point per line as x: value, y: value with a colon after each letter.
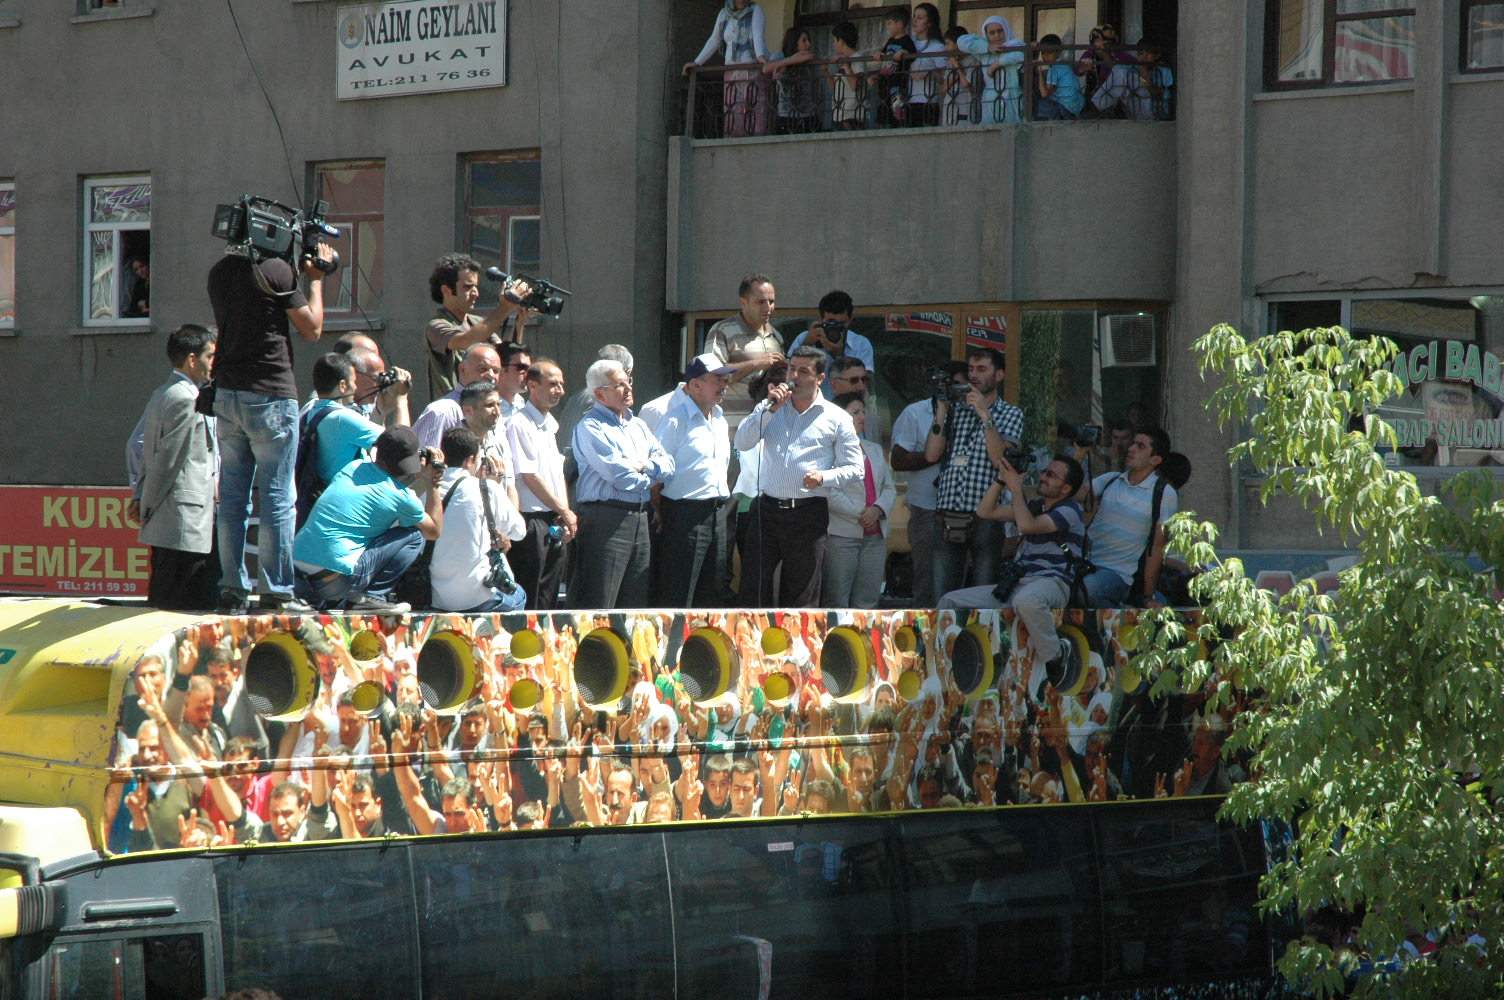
x: 951, y: 88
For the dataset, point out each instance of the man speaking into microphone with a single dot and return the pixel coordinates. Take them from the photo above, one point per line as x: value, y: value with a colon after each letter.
x: 809, y: 448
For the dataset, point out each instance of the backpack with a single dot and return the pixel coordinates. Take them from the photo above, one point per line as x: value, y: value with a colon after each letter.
x: 415, y: 586
x: 306, y: 474
x: 1174, y: 471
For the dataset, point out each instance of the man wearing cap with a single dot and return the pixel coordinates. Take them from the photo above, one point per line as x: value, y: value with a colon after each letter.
x: 693, y: 433
x: 369, y: 525
x: 809, y: 448
x: 619, y: 462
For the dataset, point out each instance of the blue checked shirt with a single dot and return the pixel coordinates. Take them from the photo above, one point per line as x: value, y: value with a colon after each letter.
x: 965, y: 469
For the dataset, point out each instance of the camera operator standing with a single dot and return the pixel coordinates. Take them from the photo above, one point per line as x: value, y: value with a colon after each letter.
x: 832, y: 334
x: 256, y: 302
x: 455, y: 286
x: 968, y: 440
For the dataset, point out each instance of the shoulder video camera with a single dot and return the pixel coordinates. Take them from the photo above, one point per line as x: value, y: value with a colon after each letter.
x: 545, y: 298
x: 266, y: 228
x: 943, y: 386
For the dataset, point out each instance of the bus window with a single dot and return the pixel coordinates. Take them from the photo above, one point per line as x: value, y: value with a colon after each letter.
x: 546, y: 916
x: 326, y: 922
x: 809, y: 904
x: 1007, y: 897
x: 1178, y: 894
x: 169, y: 966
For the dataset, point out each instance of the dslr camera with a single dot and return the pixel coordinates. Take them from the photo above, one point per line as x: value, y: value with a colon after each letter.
x: 944, y: 387
x: 546, y: 297
x: 263, y: 228
x: 1022, y: 459
x: 1086, y: 435
x: 386, y: 379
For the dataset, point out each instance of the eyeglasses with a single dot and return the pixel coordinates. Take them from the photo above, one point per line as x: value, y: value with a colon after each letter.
x: 518, y: 366
x: 626, y: 384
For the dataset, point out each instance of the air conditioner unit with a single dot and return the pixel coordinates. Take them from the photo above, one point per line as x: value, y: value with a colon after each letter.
x: 1128, y: 340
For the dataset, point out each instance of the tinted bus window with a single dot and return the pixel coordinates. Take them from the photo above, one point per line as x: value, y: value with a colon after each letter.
x: 1000, y: 902
x: 809, y: 906
x: 1178, y: 895
x: 543, y: 917
x: 308, y: 923
x: 165, y: 967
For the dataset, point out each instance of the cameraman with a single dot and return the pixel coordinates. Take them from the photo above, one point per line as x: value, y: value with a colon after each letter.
x: 832, y: 334
x: 256, y: 404
x: 968, y: 440
x: 910, y: 432
x: 369, y: 525
x: 455, y: 286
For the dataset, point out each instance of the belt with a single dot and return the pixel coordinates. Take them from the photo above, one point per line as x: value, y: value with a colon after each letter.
x: 781, y: 504
x: 323, y: 575
x: 538, y: 515
x: 713, y: 501
x: 618, y: 504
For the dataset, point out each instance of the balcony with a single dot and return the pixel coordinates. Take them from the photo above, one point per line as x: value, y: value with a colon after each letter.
x: 953, y: 191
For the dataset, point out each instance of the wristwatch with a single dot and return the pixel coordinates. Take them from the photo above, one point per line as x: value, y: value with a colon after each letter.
x: 935, y: 429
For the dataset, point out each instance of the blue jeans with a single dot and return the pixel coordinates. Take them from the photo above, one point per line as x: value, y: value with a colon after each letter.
x: 377, y: 570
x: 1047, y: 109
x: 985, y: 551
x: 1106, y: 588
x: 258, y: 443
x: 500, y: 602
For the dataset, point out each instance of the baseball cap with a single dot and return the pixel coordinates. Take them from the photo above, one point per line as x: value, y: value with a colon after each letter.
x: 707, y: 364
x: 397, y: 449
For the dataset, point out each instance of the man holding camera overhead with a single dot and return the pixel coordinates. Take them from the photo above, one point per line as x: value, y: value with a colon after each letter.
x: 832, y: 334
x: 969, y: 439
x: 340, y: 433
x: 369, y: 525
x: 256, y: 303
x: 455, y: 286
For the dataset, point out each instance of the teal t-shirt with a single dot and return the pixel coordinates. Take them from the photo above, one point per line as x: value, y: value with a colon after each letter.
x: 361, y: 502
x: 343, y: 436
x: 1067, y: 87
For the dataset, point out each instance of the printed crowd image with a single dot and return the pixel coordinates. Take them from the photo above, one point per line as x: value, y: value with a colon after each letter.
x: 291, y: 729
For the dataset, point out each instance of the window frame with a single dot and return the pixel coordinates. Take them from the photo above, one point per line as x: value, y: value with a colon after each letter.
x: 1031, y: 12
x: 1464, y: 40
x: 9, y: 229
x: 88, y: 229
x: 1330, y: 20
x: 342, y: 219
x: 504, y: 214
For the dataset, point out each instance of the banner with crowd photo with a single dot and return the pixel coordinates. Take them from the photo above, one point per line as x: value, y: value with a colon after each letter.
x: 652, y: 717
x: 73, y: 541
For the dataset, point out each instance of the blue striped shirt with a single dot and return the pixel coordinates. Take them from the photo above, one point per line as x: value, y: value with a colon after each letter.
x: 618, y: 456
x: 1040, y: 555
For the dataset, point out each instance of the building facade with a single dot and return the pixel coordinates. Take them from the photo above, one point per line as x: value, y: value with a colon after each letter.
x: 1309, y: 163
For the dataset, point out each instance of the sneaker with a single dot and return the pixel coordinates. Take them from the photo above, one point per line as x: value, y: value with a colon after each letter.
x: 233, y: 602
x: 284, y: 605
x: 374, y: 604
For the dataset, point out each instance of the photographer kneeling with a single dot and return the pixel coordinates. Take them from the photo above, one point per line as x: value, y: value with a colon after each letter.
x: 369, y: 525
x: 1037, y: 581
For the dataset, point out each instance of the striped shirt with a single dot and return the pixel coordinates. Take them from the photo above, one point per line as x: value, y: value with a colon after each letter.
x: 1040, y: 555
x: 1120, y: 529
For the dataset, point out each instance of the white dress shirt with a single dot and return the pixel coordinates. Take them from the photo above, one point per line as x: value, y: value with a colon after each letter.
x: 821, y: 439
x: 534, y: 436
x: 460, y: 564
x: 700, y: 447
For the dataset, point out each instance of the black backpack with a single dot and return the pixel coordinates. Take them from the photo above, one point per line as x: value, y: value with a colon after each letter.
x: 306, y: 475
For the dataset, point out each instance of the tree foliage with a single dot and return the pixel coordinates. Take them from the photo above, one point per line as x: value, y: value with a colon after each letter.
x: 1376, y: 729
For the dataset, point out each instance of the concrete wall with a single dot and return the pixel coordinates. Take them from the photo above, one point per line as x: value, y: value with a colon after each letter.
x: 173, y: 95
x: 1040, y: 212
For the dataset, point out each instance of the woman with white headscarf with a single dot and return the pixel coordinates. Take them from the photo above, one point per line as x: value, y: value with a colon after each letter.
x: 739, y: 29
x: 1001, y: 55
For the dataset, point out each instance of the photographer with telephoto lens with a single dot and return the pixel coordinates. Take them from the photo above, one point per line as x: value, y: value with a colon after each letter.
x: 369, y: 525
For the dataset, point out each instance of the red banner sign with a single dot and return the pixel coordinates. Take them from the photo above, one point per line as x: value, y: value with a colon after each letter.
x: 70, y: 540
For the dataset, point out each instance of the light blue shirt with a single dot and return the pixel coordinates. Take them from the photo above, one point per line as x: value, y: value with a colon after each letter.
x: 821, y: 439
x: 700, y: 447
x: 343, y: 436
x: 857, y: 346
x: 361, y: 502
x: 1120, y: 529
x: 619, y: 458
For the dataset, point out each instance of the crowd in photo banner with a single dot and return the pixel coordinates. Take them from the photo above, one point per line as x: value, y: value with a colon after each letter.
x: 639, y: 718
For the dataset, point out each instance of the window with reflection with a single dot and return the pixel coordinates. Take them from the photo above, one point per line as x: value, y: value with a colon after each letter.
x: 1312, y: 43
x: 117, y: 251
x: 7, y: 254
x: 356, y: 195
x: 1482, y: 35
x: 503, y: 199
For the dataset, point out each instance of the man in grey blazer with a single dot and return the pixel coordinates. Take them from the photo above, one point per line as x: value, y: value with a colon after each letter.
x: 175, y: 494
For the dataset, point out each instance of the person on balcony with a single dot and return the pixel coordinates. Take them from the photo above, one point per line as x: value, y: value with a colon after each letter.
x: 1001, y: 54
x: 740, y: 29
x: 927, y: 70
x: 800, y: 90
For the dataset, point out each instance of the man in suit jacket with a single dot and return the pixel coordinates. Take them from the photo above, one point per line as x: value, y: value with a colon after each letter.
x: 174, y: 497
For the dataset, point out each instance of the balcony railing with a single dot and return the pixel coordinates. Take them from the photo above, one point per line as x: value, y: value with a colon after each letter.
x: 950, y: 88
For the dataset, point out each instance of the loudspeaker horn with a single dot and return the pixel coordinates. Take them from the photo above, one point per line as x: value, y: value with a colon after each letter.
x: 448, y: 674
x: 776, y: 640
x: 601, y: 668
x: 846, y: 663
x: 526, y: 645
x: 525, y: 694
x: 367, y: 697
x: 971, y: 665
x: 281, y: 680
x: 778, y: 688
x: 708, y: 665
x: 366, y: 646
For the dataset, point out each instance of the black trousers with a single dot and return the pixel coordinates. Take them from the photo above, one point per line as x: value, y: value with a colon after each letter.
x: 693, y: 548
x: 537, y: 562
x: 610, y: 558
x: 183, y: 581
x: 790, y: 541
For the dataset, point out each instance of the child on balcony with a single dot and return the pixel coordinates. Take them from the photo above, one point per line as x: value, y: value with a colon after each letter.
x: 1060, y: 97
x: 848, y: 108
x: 893, y: 79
